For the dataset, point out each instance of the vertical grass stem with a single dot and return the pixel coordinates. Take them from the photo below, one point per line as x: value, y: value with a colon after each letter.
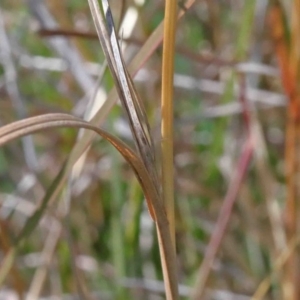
x: 167, y: 112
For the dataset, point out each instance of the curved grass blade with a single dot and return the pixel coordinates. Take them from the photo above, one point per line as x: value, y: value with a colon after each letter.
x: 138, y: 123
x: 142, y: 56
x: 34, y: 124
x: 52, y: 192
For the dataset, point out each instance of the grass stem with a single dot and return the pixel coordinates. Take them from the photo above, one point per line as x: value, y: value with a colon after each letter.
x: 167, y: 112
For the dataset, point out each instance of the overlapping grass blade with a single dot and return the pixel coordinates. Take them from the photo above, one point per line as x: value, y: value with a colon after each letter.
x: 52, y: 192
x: 142, y: 56
x: 140, y: 129
x: 31, y: 125
x: 126, y: 91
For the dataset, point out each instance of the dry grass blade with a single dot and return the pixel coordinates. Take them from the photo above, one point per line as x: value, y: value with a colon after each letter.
x: 167, y: 113
x: 52, y: 192
x: 132, y: 103
x: 31, y: 125
x: 223, y: 189
x: 5, y: 131
x: 143, y: 55
x: 139, y: 127
x: 128, y: 96
x: 287, y: 48
x: 34, y: 124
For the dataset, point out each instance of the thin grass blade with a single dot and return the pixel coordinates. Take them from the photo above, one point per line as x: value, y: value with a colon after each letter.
x: 124, y: 84
x: 83, y: 143
x: 31, y: 125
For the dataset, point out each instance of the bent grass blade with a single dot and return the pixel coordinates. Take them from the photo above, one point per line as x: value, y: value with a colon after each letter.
x: 142, y: 56
x: 52, y: 192
x: 35, y: 124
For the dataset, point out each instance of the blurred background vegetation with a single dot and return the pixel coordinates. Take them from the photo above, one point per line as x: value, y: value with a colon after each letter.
x: 98, y: 241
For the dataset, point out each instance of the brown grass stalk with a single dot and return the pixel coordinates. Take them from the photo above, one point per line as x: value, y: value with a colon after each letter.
x: 288, y: 57
x: 167, y: 112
